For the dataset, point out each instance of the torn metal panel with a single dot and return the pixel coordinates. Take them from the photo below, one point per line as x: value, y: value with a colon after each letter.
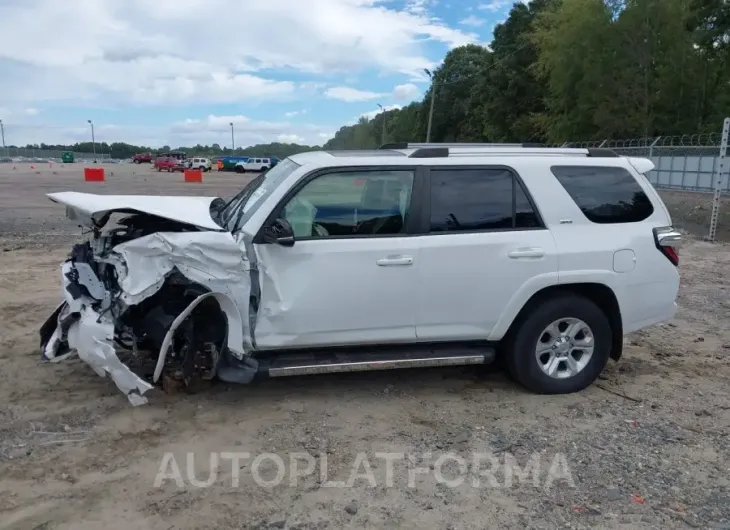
x: 92, y: 336
x: 212, y: 259
x: 88, y: 319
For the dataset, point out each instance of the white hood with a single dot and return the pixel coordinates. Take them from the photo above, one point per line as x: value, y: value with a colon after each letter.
x: 88, y: 207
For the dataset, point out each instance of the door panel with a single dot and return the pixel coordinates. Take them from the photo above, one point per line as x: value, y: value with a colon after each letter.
x: 469, y: 280
x: 327, y: 292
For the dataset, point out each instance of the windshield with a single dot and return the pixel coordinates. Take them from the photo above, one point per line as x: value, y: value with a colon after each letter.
x: 241, y: 207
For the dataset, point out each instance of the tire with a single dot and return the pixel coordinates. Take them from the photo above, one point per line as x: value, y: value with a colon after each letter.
x: 239, y: 169
x: 521, y: 358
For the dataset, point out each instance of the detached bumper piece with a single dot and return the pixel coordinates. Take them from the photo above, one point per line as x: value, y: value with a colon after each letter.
x: 83, y: 323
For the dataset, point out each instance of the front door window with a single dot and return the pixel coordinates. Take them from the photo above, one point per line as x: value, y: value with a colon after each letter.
x: 355, y: 203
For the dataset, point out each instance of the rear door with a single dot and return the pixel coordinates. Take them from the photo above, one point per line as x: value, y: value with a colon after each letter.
x: 484, y: 253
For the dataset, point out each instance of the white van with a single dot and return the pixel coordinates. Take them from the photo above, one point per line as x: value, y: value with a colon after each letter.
x: 253, y: 164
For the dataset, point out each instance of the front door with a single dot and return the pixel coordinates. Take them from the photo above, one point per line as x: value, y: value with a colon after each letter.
x: 351, y: 276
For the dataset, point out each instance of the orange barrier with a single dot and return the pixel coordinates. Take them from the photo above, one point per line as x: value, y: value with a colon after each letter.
x: 193, y: 175
x: 94, y: 174
x: 220, y: 165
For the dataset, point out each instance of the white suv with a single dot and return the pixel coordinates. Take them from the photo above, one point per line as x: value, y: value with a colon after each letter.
x: 203, y: 164
x: 406, y: 256
x: 253, y: 164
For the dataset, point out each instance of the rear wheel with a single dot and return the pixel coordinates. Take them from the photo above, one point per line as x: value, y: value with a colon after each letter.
x: 560, y: 346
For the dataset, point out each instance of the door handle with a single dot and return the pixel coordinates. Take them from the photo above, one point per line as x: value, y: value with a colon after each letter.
x: 395, y: 261
x: 532, y: 252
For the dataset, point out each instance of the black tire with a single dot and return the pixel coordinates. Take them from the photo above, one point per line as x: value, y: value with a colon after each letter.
x: 520, y: 359
x: 239, y: 169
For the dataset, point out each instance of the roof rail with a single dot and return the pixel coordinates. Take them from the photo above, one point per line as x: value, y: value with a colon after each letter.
x: 412, y: 145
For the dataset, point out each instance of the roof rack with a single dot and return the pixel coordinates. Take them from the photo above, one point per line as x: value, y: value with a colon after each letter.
x: 445, y: 150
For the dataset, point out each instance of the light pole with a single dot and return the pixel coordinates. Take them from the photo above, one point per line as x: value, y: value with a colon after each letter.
x: 233, y: 140
x: 93, y: 140
x: 2, y: 131
x: 433, y: 98
x: 382, y: 134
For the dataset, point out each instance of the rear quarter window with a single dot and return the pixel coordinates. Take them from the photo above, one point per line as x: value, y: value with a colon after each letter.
x: 605, y: 195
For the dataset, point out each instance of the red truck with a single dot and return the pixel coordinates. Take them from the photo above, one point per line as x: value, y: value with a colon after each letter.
x: 166, y: 163
x: 142, y: 158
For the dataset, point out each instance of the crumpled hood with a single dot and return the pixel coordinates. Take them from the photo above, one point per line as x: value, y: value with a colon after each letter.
x: 90, y: 209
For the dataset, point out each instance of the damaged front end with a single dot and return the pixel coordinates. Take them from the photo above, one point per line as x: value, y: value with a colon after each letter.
x: 154, y: 300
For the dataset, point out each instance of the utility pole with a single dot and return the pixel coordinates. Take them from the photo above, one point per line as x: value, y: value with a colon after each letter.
x: 93, y: 140
x: 233, y: 140
x: 382, y: 134
x: 433, y: 98
x: 2, y: 131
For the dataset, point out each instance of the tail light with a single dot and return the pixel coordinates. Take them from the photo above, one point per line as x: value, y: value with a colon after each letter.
x: 667, y: 240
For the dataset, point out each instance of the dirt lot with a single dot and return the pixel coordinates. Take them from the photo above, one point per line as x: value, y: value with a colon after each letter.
x: 645, y: 448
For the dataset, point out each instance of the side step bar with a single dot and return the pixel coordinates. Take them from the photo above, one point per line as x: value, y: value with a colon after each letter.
x: 309, y: 363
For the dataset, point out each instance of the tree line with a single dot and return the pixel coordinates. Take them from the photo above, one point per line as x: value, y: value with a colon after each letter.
x: 574, y: 70
x: 556, y: 71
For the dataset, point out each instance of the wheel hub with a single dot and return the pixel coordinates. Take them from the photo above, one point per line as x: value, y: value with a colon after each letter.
x: 564, y: 348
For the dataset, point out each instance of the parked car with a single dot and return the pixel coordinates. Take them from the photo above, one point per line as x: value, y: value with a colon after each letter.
x: 408, y: 256
x: 253, y: 164
x: 143, y: 158
x: 169, y: 164
x: 203, y: 164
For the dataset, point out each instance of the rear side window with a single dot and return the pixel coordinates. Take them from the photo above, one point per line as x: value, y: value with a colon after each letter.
x: 605, y: 195
x: 467, y: 200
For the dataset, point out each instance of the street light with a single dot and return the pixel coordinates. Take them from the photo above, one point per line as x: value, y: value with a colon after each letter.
x: 2, y: 131
x: 233, y: 141
x: 382, y: 134
x: 93, y: 140
x: 433, y: 98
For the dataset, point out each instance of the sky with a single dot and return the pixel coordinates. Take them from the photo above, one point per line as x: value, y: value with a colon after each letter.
x: 178, y: 72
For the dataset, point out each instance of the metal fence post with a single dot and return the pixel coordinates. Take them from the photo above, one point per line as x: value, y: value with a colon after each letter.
x: 719, y: 174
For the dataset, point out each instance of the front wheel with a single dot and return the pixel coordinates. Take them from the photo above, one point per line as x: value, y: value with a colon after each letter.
x: 560, y: 346
x: 239, y: 169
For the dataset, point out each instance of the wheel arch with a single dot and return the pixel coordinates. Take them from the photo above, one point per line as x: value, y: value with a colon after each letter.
x: 599, y: 293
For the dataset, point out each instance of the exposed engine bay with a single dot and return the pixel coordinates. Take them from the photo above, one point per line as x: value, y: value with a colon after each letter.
x: 158, y: 293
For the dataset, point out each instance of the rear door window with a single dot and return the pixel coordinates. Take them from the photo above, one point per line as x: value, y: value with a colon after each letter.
x: 605, y: 195
x: 469, y: 200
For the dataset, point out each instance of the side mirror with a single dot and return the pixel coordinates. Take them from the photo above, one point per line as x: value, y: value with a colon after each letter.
x: 279, y: 232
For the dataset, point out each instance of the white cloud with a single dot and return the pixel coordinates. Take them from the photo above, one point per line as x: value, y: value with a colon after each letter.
x: 406, y: 92
x: 349, y: 94
x: 497, y: 5
x: 371, y: 114
x: 471, y: 20
x: 295, y: 113
x: 172, y: 52
x: 208, y: 130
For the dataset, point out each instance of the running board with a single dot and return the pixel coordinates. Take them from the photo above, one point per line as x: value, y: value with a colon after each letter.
x: 363, y: 360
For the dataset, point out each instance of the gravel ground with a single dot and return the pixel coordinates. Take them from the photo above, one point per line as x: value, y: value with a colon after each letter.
x: 646, y: 447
